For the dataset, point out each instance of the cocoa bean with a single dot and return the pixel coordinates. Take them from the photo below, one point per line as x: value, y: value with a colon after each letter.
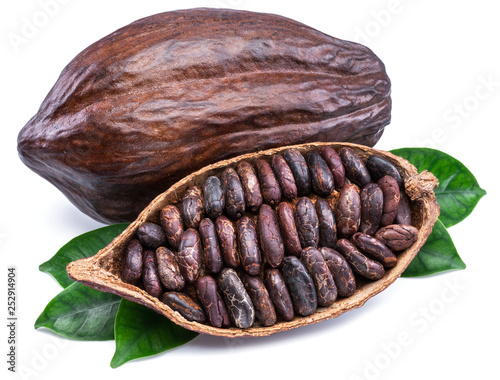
x: 375, y: 249
x: 348, y: 213
x: 279, y: 294
x: 150, y: 277
x: 341, y: 271
x: 285, y: 176
x: 168, y: 269
x: 184, y: 305
x: 300, y: 171
x: 251, y: 186
x: 264, y: 309
x: 211, y: 300
x: 132, y: 262
x: 321, y: 175
x: 327, y: 225
x: 288, y: 229
x: 271, y: 191
x: 234, y: 196
x: 213, y: 197
x: 372, y: 204
x: 249, y: 245
x: 270, y: 236
x: 307, y: 223
x: 190, y: 255
x: 192, y: 207
x: 334, y: 162
x: 355, y: 169
x: 397, y: 237
x: 326, y: 290
x: 171, y: 222
x: 361, y: 264
x: 403, y: 216
x: 210, y: 243
x: 238, y: 302
x: 151, y: 235
x: 380, y: 167
x: 228, y: 241
x: 300, y: 285
x: 390, y: 189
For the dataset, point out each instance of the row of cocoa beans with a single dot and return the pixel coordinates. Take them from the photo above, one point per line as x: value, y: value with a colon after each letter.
x: 275, y: 239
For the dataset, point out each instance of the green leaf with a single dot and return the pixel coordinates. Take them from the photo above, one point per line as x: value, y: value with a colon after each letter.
x: 141, y: 332
x: 85, y: 245
x: 458, y: 191
x: 437, y: 255
x: 81, y: 313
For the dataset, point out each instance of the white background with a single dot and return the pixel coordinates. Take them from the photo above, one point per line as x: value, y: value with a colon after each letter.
x: 444, y: 62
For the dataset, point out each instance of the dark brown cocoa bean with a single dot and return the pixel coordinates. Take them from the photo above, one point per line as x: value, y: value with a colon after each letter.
x: 279, y: 294
x: 211, y: 300
x: 151, y: 235
x: 288, y: 229
x: 327, y: 225
x: 190, y: 255
x: 348, y: 213
x: 355, y: 169
x: 390, y: 189
x: 228, y: 241
x: 234, y: 196
x: 380, y: 167
x: 300, y: 285
x: 171, y: 222
x: 334, y: 162
x: 251, y: 185
x: 361, y: 264
x: 249, y: 245
x: 192, y: 207
x: 397, y: 237
x: 285, y: 176
x: 269, y: 185
x: 238, y: 302
x: 307, y: 223
x: 168, y: 269
x: 403, y: 216
x: 150, y: 277
x: 264, y: 309
x: 184, y: 305
x: 341, y: 271
x: 375, y: 249
x: 321, y: 175
x: 326, y: 290
x: 300, y: 170
x: 210, y: 243
x: 270, y: 236
x: 132, y: 262
x: 372, y: 204
x: 213, y: 197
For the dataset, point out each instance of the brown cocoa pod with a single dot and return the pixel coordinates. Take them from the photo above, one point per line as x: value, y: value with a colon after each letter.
x: 168, y: 269
x: 184, y: 305
x: 334, y: 162
x: 211, y: 300
x: 355, y: 169
x: 361, y: 264
x: 300, y: 285
x: 249, y: 245
x: 307, y: 223
x: 375, y: 249
x: 210, y: 243
x: 390, y: 189
x: 192, y: 207
x: 151, y: 235
x: 285, y: 176
x: 327, y: 225
x: 321, y: 175
x: 132, y: 262
x: 238, y: 302
x: 234, y: 196
x: 271, y: 242
x: 372, y: 204
x: 150, y: 277
x: 269, y: 185
x: 171, y: 222
x: 397, y: 237
x: 251, y: 186
x: 348, y: 212
x: 341, y: 271
x: 380, y: 167
x: 213, y: 197
x: 279, y: 294
x: 211, y: 93
x: 190, y: 255
x: 326, y: 290
x: 298, y: 165
x: 264, y: 309
x: 228, y: 241
x: 288, y: 229
x: 403, y: 216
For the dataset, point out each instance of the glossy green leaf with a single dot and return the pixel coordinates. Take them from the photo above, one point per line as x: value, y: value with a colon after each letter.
x: 85, y: 245
x: 458, y: 191
x: 141, y: 332
x: 437, y: 255
x: 81, y: 313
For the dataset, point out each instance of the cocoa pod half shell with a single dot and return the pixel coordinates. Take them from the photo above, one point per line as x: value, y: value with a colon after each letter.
x: 103, y: 271
x: 160, y: 98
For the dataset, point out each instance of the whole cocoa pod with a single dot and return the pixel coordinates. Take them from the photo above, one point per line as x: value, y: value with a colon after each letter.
x: 201, y: 85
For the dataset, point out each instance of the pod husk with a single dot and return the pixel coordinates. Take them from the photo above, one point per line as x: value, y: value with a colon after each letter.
x: 102, y: 271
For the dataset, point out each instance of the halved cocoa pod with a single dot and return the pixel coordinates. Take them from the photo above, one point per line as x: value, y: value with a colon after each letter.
x: 103, y: 271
